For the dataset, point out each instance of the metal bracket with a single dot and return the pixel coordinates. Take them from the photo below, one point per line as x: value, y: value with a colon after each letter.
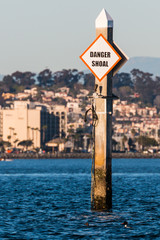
x: 113, y: 97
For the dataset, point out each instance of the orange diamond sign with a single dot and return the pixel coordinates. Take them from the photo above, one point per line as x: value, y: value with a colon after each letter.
x: 100, y: 57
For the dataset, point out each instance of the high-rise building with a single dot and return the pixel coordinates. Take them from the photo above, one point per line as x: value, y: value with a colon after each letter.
x: 25, y: 120
x: 60, y: 111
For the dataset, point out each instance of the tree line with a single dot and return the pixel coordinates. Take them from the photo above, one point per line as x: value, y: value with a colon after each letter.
x: 136, y: 86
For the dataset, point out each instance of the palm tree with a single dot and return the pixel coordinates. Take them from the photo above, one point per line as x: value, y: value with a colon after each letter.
x: 6, y: 144
x: 11, y: 129
x: 9, y: 137
x: 28, y: 135
x: 37, y: 130
x: 26, y: 143
x: 29, y: 143
x: 14, y: 134
x: 32, y: 135
x: 15, y: 141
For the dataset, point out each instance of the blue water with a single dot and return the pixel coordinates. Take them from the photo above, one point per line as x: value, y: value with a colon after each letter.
x: 50, y: 199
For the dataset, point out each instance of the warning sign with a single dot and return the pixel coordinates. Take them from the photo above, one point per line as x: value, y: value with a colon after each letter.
x: 100, y: 57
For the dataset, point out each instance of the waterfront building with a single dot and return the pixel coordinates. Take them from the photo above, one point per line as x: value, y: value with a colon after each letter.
x: 25, y: 120
x: 60, y: 111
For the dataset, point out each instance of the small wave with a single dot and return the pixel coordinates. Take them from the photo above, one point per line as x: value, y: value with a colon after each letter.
x: 137, y: 174
x: 45, y: 175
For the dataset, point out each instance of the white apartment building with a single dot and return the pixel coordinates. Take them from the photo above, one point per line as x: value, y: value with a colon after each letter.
x: 26, y: 121
x: 33, y: 91
x: 73, y: 107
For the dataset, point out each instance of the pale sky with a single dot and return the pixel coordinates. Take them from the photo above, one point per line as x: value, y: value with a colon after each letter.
x: 36, y: 34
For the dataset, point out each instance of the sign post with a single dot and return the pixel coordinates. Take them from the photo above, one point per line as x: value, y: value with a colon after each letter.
x: 102, y: 59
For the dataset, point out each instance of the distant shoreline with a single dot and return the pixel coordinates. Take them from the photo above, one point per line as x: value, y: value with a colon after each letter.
x: 75, y: 155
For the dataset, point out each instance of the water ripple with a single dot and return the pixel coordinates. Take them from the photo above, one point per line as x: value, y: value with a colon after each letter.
x: 51, y: 200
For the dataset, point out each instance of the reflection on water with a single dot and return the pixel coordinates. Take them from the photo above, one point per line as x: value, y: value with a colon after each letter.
x: 50, y: 199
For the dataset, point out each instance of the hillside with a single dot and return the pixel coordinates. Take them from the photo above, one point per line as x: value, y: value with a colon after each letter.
x: 136, y: 86
x: 145, y: 64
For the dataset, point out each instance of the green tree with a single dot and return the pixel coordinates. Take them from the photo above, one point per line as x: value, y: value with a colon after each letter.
x: 144, y: 85
x: 24, y: 78
x: 9, y: 137
x: 131, y: 144
x: 15, y: 142
x: 6, y: 144
x: 45, y: 78
x: 121, y: 80
x: 145, y: 142
x: 26, y: 143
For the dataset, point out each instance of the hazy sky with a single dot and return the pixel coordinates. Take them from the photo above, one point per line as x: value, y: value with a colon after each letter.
x: 36, y: 34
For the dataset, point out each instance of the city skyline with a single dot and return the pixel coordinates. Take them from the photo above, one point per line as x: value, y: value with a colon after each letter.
x: 53, y: 34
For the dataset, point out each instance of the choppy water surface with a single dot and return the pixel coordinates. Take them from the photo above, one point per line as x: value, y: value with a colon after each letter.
x: 50, y: 199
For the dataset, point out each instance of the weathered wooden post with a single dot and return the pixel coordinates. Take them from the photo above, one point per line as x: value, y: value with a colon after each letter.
x: 101, y: 57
